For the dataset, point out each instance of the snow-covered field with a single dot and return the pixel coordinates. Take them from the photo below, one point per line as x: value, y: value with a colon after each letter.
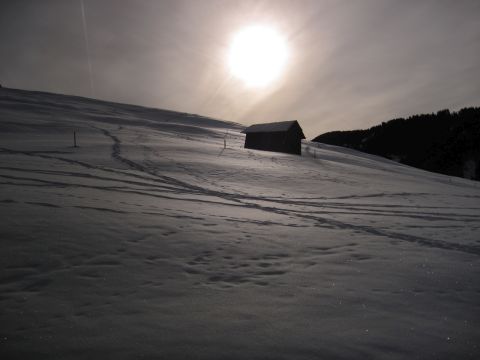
x: 151, y: 241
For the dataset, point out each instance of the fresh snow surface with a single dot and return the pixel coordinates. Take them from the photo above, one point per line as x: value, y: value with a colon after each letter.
x: 151, y: 241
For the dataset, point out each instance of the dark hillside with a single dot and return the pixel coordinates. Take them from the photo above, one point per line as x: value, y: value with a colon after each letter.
x: 445, y: 142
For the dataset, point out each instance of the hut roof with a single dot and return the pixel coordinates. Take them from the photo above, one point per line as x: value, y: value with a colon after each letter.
x: 280, y: 126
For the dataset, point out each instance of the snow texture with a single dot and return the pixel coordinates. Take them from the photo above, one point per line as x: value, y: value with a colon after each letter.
x: 152, y: 241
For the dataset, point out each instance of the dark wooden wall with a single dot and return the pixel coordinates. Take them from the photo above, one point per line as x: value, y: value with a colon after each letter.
x: 286, y: 142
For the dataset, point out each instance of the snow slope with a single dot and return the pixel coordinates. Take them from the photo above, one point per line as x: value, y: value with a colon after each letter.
x: 151, y: 241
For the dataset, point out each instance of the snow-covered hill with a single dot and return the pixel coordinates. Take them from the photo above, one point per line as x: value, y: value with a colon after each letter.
x: 151, y: 241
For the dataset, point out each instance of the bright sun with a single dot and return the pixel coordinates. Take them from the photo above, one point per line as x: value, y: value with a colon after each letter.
x: 257, y: 55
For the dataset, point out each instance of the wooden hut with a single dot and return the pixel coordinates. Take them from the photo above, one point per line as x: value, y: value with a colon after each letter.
x: 284, y: 136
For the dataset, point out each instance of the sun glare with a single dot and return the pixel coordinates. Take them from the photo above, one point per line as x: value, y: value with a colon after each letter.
x: 258, y: 55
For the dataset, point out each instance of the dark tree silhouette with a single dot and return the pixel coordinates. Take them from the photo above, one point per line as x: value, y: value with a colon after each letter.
x: 445, y: 142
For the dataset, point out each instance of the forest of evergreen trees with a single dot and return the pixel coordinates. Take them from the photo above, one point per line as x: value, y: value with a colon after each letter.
x: 445, y: 142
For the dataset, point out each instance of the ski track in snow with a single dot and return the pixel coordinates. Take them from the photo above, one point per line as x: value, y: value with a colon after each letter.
x: 185, y: 187
x: 151, y: 218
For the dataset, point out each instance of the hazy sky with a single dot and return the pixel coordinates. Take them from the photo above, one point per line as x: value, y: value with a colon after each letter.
x: 352, y: 63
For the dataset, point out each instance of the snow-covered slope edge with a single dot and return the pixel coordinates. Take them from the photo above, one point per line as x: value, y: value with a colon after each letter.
x: 152, y: 241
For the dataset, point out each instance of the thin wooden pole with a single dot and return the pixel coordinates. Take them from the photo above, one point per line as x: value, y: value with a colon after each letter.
x: 74, y: 139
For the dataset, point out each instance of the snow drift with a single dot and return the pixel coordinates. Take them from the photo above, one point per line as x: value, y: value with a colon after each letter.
x: 151, y: 241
